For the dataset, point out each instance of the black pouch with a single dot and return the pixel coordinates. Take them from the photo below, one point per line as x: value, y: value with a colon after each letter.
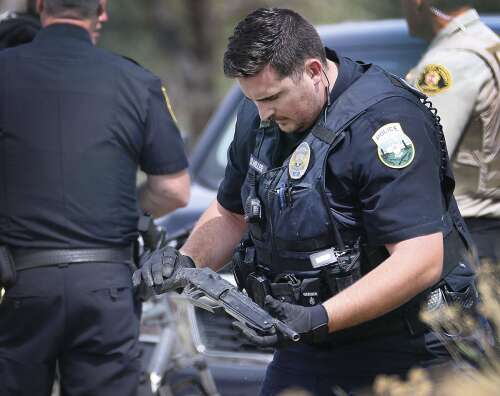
x: 258, y: 287
x: 7, y: 268
x: 344, y: 272
x: 310, y: 289
x: 243, y: 265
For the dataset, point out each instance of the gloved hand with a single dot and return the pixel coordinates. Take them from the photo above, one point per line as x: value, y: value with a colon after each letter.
x: 310, y: 322
x: 157, y: 269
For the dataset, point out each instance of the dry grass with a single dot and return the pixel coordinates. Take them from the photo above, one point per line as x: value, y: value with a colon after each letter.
x: 483, y: 377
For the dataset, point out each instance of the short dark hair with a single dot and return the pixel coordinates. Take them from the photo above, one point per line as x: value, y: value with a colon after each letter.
x: 80, y: 9
x: 450, y: 5
x: 275, y: 36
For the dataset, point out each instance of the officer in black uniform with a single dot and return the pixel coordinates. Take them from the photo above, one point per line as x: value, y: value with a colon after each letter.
x: 19, y: 26
x: 75, y: 123
x: 339, y: 172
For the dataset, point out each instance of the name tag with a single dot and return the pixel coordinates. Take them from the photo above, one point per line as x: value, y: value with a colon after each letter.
x: 256, y: 165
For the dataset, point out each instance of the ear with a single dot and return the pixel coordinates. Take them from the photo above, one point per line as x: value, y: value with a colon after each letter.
x: 39, y: 6
x: 314, y: 69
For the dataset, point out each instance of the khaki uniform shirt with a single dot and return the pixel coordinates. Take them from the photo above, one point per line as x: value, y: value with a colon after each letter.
x: 460, y: 72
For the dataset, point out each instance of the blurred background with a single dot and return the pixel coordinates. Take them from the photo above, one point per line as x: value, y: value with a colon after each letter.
x: 183, y: 41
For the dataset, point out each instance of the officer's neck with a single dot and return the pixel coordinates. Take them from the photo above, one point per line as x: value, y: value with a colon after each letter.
x: 439, y: 22
x: 332, y: 72
x: 88, y: 24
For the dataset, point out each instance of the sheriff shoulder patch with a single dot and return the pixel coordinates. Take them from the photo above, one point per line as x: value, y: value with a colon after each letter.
x: 395, y: 149
x: 167, y: 102
x: 434, y: 79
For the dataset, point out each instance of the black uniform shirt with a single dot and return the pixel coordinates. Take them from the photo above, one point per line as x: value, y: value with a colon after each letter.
x: 75, y: 122
x: 368, y: 198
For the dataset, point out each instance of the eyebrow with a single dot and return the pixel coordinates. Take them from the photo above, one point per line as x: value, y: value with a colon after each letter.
x: 270, y: 97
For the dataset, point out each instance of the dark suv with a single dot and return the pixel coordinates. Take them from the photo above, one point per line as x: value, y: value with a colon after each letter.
x: 238, y: 367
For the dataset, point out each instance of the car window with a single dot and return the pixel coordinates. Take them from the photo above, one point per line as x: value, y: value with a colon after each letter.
x: 225, y: 141
x: 212, y: 170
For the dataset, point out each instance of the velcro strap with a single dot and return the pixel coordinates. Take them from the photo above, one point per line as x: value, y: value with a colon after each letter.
x: 306, y: 245
x: 32, y: 258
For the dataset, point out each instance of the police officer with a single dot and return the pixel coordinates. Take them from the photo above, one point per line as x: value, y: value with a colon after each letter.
x: 460, y: 72
x: 75, y: 122
x: 340, y: 175
x: 19, y: 26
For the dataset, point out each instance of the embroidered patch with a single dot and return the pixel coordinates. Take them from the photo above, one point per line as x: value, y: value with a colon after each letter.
x: 167, y: 101
x: 395, y: 149
x: 434, y: 79
x: 299, y: 161
x: 256, y: 165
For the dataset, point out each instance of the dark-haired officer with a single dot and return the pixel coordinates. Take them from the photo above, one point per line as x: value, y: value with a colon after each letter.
x: 460, y: 72
x: 75, y: 123
x: 339, y: 173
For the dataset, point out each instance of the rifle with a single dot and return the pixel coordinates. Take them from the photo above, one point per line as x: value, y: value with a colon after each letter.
x: 206, y: 289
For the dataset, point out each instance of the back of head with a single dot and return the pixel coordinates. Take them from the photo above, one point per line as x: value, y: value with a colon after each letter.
x: 278, y: 37
x: 72, y: 9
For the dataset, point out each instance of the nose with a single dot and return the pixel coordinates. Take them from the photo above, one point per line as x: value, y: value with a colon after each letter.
x: 266, y: 111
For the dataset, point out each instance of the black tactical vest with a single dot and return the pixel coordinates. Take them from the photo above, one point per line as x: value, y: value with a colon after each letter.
x: 297, y: 219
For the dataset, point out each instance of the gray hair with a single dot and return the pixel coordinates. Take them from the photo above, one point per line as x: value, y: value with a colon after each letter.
x: 79, y: 9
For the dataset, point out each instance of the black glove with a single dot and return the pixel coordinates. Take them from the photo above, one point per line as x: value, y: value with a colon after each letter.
x: 310, y: 322
x: 157, y: 269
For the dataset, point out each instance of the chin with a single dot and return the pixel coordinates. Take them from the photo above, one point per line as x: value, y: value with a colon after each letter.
x: 288, y: 128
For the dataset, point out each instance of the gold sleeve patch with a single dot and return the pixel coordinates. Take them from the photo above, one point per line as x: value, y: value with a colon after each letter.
x: 167, y: 102
x: 434, y: 79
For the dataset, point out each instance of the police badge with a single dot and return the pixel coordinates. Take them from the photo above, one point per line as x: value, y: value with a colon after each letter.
x: 299, y: 161
x: 395, y: 149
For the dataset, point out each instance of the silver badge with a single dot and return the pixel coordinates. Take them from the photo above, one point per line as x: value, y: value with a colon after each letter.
x: 299, y: 161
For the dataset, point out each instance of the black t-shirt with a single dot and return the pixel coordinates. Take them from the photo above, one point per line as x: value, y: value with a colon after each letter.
x: 367, y: 196
x: 75, y: 123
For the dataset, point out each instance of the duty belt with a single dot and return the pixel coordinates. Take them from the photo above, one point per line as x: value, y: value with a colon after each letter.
x: 33, y: 258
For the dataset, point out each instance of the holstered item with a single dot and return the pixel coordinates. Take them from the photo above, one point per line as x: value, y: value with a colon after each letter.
x: 344, y: 272
x: 258, y: 288
x: 7, y: 268
x: 243, y: 263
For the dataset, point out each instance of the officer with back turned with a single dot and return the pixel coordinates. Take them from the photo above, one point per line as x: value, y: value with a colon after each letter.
x: 339, y: 173
x: 460, y: 72
x: 75, y: 123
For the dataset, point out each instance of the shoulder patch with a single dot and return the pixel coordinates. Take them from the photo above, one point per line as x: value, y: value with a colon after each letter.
x: 167, y: 102
x: 434, y: 79
x: 395, y: 149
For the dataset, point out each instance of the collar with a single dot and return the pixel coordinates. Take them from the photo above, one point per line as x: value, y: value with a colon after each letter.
x: 64, y: 31
x: 459, y: 23
x: 349, y: 71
